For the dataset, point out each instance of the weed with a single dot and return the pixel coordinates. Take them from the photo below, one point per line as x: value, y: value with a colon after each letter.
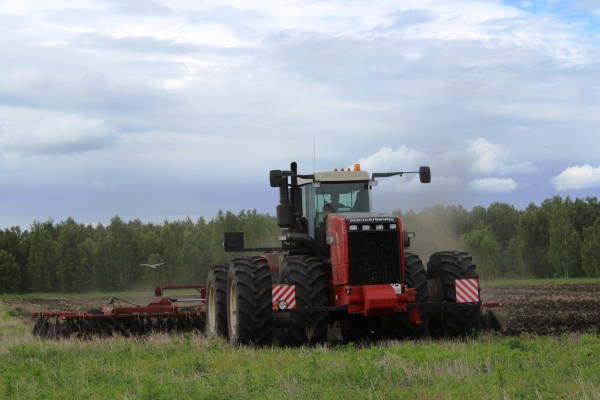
x: 516, y: 344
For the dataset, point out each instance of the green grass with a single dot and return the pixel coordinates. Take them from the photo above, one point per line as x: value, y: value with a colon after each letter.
x: 196, y: 367
x: 11, y: 327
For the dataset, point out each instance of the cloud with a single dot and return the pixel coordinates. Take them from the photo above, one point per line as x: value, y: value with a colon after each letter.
x: 492, y: 185
x: 388, y: 160
x: 223, y: 91
x: 26, y: 79
x: 452, y: 169
x: 491, y: 158
x: 58, y: 134
x: 577, y: 177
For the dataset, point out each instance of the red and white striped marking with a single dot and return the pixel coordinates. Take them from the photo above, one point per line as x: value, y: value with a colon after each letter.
x: 467, y: 291
x: 286, y: 293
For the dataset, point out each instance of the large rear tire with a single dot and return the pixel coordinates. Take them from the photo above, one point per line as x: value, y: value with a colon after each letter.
x: 216, y: 300
x: 414, y: 277
x: 307, y: 273
x: 443, y: 269
x: 249, y: 308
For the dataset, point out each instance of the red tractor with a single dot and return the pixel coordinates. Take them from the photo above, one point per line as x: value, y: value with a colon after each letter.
x: 342, y: 268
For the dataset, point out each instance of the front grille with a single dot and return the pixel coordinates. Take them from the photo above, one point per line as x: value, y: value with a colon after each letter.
x: 374, y: 257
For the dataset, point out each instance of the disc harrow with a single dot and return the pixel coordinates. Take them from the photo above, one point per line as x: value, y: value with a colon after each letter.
x: 166, y: 315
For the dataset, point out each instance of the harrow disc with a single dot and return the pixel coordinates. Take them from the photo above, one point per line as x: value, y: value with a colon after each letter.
x: 39, y: 326
x: 163, y: 316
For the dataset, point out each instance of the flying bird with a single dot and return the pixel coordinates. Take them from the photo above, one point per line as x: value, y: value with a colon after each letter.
x: 151, y: 265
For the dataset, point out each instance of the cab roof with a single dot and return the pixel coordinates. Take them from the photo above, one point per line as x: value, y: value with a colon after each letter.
x: 336, y: 176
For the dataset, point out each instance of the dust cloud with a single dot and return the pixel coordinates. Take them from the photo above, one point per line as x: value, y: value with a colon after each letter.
x: 436, y: 229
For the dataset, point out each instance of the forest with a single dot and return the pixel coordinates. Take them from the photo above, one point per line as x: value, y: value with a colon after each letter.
x: 559, y: 238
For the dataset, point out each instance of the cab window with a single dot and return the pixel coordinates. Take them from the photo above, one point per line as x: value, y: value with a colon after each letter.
x: 333, y: 197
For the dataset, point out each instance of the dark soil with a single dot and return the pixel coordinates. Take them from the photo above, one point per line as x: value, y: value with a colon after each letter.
x: 546, y: 309
x: 538, y: 309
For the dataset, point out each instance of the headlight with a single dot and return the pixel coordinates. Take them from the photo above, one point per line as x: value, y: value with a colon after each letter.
x: 283, y: 305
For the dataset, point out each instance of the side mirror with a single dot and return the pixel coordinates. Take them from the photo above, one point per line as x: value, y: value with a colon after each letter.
x: 275, y: 178
x: 425, y: 174
x: 407, y: 237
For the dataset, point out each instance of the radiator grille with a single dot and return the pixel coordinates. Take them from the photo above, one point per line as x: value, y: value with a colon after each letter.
x: 374, y: 257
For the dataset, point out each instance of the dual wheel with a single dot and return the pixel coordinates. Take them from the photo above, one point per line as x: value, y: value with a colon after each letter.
x: 443, y: 270
x: 308, y: 275
x: 239, y: 301
x: 437, y: 284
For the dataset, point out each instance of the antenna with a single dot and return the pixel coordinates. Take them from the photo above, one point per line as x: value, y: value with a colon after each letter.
x: 314, y: 154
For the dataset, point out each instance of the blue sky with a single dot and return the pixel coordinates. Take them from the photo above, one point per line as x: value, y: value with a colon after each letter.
x: 166, y: 109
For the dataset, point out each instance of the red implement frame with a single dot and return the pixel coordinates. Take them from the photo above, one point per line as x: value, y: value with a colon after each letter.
x: 165, y: 308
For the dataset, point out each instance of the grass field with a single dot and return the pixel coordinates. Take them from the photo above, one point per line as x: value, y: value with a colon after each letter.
x: 195, y: 367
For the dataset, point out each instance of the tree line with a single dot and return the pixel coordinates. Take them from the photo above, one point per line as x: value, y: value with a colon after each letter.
x: 73, y: 257
x: 559, y: 238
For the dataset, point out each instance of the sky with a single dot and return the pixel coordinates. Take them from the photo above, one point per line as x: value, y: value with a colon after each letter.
x: 168, y: 109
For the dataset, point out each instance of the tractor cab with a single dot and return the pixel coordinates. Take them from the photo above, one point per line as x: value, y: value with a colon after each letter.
x: 306, y: 201
x: 333, y: 192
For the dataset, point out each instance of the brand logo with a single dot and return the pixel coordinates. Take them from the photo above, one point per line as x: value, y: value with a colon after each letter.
x: 372, y: 219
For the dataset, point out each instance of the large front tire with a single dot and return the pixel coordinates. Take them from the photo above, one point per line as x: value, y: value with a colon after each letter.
x: 414, y: 277
x: 249, y: 308
x: 216, y: 300
x: 307, y: 273
x: 443, y: 269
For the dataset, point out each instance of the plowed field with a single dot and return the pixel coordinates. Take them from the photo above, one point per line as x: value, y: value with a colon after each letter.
x: 546, y: 309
